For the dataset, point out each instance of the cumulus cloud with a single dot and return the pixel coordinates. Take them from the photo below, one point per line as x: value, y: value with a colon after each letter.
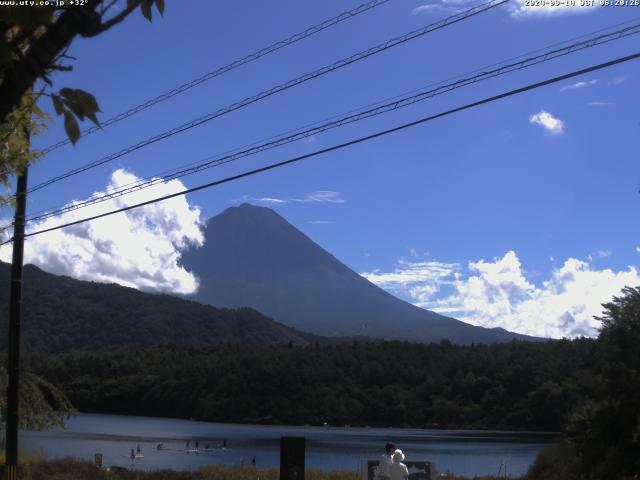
x: 523, y: 10
x: 498, y: 293
x: 580, y: 85
x: 139, y: 248
x: 546, y: 120
x: 319, y: 196
x: 415, y: 280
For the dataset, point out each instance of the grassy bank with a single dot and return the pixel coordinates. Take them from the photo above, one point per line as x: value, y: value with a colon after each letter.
x: 72, y: 469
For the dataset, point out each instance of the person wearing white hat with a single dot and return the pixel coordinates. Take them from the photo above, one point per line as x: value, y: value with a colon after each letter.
x: 398, y: 470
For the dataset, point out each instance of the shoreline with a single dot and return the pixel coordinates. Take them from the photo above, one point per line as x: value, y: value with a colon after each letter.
x: 439, y: 428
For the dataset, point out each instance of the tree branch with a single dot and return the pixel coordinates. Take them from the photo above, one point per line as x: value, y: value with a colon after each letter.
x: 62, y: 68
x: 104, y: 26
x: 22, y: 74
x: 43, y: 53
x: 106, y: 8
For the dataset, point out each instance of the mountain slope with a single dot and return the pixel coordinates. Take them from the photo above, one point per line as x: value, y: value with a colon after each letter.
x: 61, y: 313
x: 253, y: 257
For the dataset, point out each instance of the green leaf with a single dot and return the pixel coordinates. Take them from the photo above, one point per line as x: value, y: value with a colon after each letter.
x: 75, y: 108
x: 145, y: 8
x: 81, y: 103
x: 69, y: 93
x: 35, y: 108
x: 27, y: 19
x: 160, y: 6
x: 71, y: 126
x: 57, y: 104
x: 86, y: 101
x: 93, y: 118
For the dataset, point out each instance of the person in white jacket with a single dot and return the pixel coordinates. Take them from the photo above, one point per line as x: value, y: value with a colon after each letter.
x: 398, y: 470
x: 382, y: 471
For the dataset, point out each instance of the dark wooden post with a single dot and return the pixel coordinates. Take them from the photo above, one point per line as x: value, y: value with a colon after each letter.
x: 292, y: 458
x: 15, y: 314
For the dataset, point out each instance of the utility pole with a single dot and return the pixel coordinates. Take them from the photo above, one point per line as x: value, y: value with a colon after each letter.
x: 15, y: 316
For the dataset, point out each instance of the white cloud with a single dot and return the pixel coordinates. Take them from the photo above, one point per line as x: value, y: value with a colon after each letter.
x: 521, y: 11
x: 319, y: 196
x: 616, y: 81
x: 598, y: 254
x: 449, y: 6
x: 139, y: 248
x: 415, y: 280
x: 423, y: 9
x: 598, y: 104
x: 262, y: 200
x: 498, y: 294
x: 548, y: 122
x: 580, y: 85
x: 517, y: 9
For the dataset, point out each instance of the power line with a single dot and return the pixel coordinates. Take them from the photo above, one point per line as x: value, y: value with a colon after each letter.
x: 344, y: 120
x: 226, y: 68
x: 279, y: 88
x: 142, y: 183
x: 349, y: 143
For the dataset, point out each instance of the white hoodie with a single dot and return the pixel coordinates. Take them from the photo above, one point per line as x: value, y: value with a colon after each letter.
x: 383, y: 467
x: 398, y: 470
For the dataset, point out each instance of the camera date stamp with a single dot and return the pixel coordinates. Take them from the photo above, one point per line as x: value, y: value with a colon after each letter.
x: 580, y: 3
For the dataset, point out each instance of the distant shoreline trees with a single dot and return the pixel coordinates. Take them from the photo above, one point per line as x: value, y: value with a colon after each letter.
x: 514, y: 386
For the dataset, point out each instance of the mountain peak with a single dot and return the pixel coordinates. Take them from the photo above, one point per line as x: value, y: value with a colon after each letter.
x: 249, y: 211
x: 250, y: 207
x: 253, y: 257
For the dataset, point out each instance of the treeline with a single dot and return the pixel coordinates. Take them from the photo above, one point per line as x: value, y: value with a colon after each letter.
x: 66, y: 314
x: 517, y: 385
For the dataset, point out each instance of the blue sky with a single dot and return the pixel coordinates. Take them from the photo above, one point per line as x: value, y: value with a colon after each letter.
x: 521, y: 213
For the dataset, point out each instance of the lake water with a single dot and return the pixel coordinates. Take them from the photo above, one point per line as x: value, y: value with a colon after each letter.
x: 328, y: 448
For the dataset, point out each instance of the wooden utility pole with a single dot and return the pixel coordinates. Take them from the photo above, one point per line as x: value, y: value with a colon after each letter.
x: 15, y: 315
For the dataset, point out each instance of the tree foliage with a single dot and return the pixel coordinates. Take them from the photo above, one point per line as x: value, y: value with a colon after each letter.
x: 62, y: 313
x: 41, y: 404
x: 605, y: 428
x: 34, y: 41
x: 517, y: 385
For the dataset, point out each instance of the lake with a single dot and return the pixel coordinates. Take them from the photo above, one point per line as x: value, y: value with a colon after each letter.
x: 466, y: 452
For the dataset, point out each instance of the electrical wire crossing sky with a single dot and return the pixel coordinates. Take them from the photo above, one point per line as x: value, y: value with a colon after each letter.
x: 501, y: 215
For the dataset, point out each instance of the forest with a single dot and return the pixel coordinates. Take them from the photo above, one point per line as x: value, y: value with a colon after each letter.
x: 586, y: 389
x: 518, y: 385
x: 67, y: 314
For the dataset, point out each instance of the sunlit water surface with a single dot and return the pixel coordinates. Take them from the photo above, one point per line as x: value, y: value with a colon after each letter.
x: 462, y: 451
